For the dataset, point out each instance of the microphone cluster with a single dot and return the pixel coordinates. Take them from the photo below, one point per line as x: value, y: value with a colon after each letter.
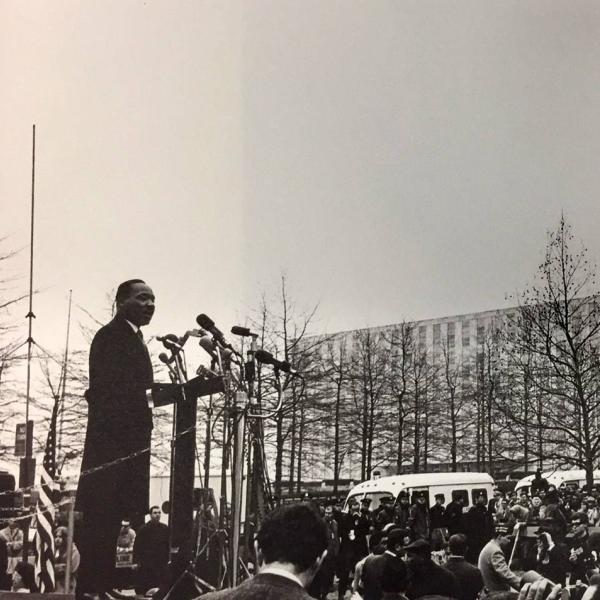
x: 211, y: 339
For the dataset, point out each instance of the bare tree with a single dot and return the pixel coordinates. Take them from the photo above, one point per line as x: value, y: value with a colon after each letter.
x: 553, y: 337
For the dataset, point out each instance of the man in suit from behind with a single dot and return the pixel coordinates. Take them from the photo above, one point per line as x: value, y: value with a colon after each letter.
x: 290, y: 547
x: 115, y: 469
x: 388, y: 562
x: 469, y: 576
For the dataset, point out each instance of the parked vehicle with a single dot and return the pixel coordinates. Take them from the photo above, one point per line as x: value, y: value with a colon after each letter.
x: 561, y: 479
x: 469, y: 486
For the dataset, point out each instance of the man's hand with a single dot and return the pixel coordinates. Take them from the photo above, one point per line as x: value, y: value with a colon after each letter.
x: 542, y: 589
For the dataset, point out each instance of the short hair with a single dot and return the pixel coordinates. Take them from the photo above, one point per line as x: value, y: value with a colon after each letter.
x: 458, y: 544
x: 124, y: 290
x: 152, y: 508
x: 27, y: 573
x: 394, y: 578
x: 293, y: 533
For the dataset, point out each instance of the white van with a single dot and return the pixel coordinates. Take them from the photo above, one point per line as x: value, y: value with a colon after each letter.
x: 450, y: 485
x: 560, y: 479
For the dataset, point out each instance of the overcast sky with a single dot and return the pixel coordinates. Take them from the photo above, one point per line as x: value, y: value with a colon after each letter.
x: 396, y: 159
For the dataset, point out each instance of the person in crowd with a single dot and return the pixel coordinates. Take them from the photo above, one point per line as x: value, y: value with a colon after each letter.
x: 290, y: 547
x: 394, y: 582
x: 551, y: 563
x: 13, y: 536
x: 363, y: 529
x: 496, y: 573
x: 454, y: 515
x: 23, y: 578
x: 479, y: 528
x: 437, y: 520
x: 494, y: 502
x: 418, y: 521
x: 425, y: 577
x: 61, y: 538
x: 503, y: 514
x: 384, y: 513
x: 323, y: 580
x: 402, y: 510
x: 582, y: 559
x: 520, y: 511
x: 119, y: 425
x: 390, y: 562
x: 538, y: 483
x: 534, y: 511
x: 151, y: 553
x: 346, y: 558
x: 593, y: 512
x: 375, y: 548
x: 469, y: 576
x: 554, y: 512
x: 126, y: 537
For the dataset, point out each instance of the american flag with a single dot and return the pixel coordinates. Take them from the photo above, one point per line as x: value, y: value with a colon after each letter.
x: 45, y: 512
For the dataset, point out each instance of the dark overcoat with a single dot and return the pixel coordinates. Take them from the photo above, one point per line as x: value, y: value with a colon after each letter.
x: 119, y: 425
x: 119, y: 422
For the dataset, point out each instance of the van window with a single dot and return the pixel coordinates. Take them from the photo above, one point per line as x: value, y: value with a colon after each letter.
x: 375, y: 498
x: 354, y: 498
x: 461, y: 494
x: 476, y: 492
x: 416, y: 493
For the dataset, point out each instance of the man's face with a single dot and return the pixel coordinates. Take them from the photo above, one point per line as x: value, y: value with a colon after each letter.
x: 138, y: 307
x: 12, y: 524
x: 155, y: 514
x: 328, y: 512
x: 439, y: 501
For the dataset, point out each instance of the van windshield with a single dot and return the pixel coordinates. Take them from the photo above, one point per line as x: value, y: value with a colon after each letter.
x: 375, y: 498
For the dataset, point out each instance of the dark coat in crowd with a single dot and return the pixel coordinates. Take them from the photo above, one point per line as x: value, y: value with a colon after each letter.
x: 454, y: 518
x: 479, y: 530
x: 469, y: 577
x: 262, y: 587
x: 430, y: 579
x: 437, y: 516
x: 151, y: 553
x: 373, y: 570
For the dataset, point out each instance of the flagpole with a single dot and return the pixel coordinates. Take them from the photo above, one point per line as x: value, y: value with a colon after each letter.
x: 29, y: 470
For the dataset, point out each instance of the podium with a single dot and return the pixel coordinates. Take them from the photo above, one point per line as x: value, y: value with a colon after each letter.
x: 184, y: 397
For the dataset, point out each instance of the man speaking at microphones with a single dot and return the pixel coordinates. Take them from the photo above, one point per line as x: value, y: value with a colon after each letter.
x: 119, y: 427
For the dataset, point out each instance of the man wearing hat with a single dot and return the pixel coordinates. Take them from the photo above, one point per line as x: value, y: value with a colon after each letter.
x: 427, y: 578
x: 581, y: 558
x: 496, y: 573
x: 384, y: 513
x: 363, y: 529
x: 388, y: 562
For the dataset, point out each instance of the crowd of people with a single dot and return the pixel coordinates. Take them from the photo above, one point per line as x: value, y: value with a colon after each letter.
x: 464, y: 554
x: 296, y: 542
x: 146, y: 567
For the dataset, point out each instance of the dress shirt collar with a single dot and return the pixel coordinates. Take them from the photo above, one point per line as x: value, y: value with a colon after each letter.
x: 133, y: 326
x: 281, y: 572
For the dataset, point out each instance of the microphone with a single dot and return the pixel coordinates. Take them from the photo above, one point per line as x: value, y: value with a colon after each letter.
x: 206, y: 343
x: 171, y: 342
x: 266, y: 358
x: 243, y: 331
x: 164, y: 358
x: 207, y: 323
